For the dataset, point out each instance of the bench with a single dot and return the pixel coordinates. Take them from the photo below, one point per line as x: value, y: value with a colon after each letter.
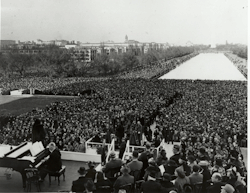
x: 57, y: 175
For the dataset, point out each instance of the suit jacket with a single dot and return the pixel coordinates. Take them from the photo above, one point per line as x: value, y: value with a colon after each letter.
x: 215, y: 188
x: 176, y: 157
x: 54, y: 163
x: 78, y: 185
x: 196, y: 178
x: 91, y: 173
x: 144, y: 158
x: 111, y: 166
x: 151, y: 187
x: 135, y: 165
x: 123, y: 180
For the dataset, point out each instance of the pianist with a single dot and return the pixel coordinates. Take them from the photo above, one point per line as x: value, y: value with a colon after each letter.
x: 51, y: 163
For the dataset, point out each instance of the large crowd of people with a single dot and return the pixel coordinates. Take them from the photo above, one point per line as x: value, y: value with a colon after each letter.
x: 157, y: 69
x: 208, y: 117
x: 240, y: 63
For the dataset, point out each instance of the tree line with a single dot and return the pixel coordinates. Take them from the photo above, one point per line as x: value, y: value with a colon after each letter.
x: 56, y: 62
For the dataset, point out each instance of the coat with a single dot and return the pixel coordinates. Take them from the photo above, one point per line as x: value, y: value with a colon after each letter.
x: 54, y: 163
x: 78, y: 185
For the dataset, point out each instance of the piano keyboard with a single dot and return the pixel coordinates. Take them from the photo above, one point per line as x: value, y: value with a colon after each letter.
x: 40, y: 163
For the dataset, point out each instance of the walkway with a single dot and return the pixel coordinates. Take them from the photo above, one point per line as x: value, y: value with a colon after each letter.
x: 208, y: 66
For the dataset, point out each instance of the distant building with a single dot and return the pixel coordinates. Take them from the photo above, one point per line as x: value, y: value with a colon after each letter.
x: 90, y: 50
x: 7, y: 43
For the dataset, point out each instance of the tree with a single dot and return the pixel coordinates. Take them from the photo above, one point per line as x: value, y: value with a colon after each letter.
x: 54, y: 58
x: 101, y: 63
x: 19, y: 62
x: 149, y: 58
x: 4, y: 66
x: 129, y: 60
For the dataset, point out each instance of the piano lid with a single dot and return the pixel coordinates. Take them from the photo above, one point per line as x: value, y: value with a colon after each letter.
x: 20, y: 151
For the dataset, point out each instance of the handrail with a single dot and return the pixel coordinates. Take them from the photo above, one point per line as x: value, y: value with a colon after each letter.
x: 110, y: 149
x: 126, y: 150
x: 161, y: 145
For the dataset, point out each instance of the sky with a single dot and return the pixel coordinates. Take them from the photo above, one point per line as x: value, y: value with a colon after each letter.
x: 173, y: 21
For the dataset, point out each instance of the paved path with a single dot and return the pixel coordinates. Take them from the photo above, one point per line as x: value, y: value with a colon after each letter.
x: 208, y: 66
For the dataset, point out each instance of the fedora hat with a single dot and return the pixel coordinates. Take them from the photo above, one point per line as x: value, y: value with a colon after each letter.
x: 125, y: 170
x: 112, y: 154
x: 82, y: 170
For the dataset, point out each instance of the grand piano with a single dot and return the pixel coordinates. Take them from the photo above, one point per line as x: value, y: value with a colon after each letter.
x: 26, y: 155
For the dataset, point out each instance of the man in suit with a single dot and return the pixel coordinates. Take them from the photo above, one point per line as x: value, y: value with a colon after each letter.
x: 124, y: 179
x: 216, y: 185
x: 113, y: 165
x: 91, y: 172
x: 151, y: 185
x: 196, y: 177
x: 52, y: 163
x: 144, y: 157
x: 79, y: 184
x: 177, y: 154
x: 135, y: 164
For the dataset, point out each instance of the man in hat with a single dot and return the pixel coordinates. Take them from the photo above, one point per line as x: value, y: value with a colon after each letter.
x: 177, y: 155
x: 124, y: 179
x: 78, y: 185
x: 151, y: 185
x: 113, y: 165
x: 91, y: 171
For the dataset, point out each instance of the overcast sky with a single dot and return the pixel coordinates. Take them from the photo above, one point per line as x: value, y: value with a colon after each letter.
x: 173, y: 21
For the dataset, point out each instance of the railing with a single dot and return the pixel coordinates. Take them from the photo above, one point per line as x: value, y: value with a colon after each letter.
x: 89, y: 144
x: 161, y: 145
x: 130, y: 148
x: 111, y: 148
x: 126, y: 152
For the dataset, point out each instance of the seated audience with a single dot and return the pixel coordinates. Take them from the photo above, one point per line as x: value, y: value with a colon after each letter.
x: 124, y: 179
x: 79, y: 184
x: 135, y: 164
x: 113, y: 166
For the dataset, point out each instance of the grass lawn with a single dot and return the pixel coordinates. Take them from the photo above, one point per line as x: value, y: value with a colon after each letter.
x: 10, y: 105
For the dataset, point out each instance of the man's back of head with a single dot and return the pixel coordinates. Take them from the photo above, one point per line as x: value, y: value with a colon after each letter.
x: 216, y: 177
x: 135, y: 154
x: 196, y: 168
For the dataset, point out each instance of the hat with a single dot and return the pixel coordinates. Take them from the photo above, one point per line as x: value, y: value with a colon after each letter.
x: 148, y: 145
x: 112, y: 154
x: 228, y: 188
x: 91, y: 164
x: 82, y: 170
x: 202, y: 150
x: 203, y: 163
x: 125, y: 170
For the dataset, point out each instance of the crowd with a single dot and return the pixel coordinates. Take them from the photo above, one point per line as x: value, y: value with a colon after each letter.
x: 240, y: 63
x: 157, y: 69
x: 184, y: 172
x: 206, y: 109
x: 207, y: 114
